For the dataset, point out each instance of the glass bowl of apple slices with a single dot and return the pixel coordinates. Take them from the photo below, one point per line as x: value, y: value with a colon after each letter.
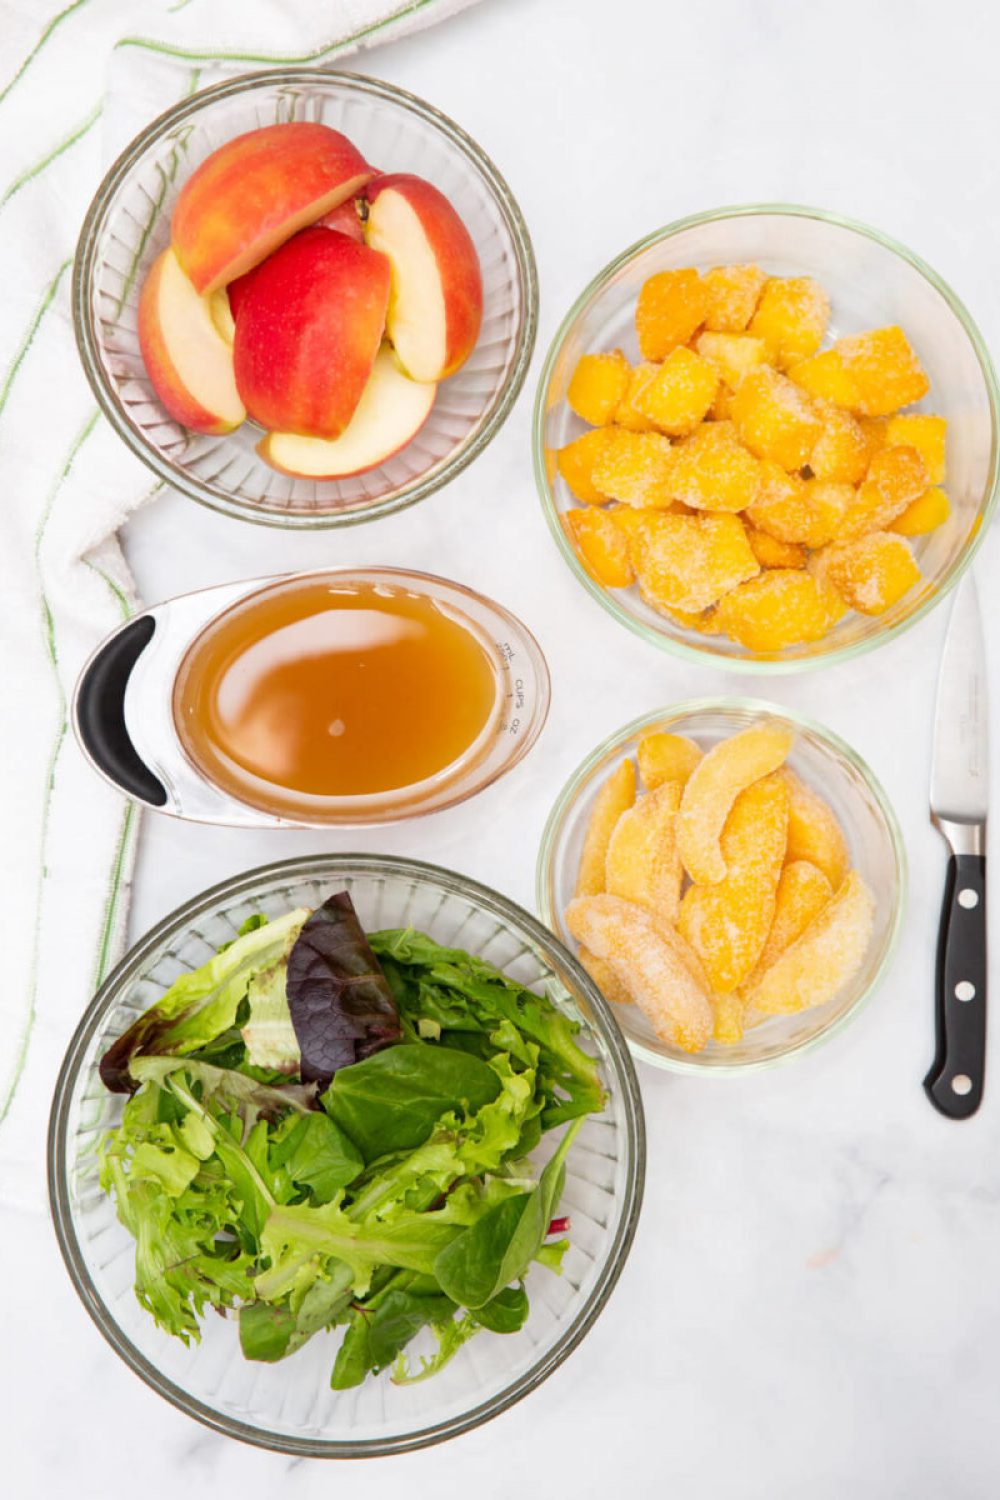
x: 305, y: 298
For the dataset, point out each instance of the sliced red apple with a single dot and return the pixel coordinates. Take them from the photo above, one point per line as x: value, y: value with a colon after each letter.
x: 390, y: 413
x: 258, y: 190
x: 346, y: 218
x: 436, y: 307
x: 308, y: 329
x: 186, y: 357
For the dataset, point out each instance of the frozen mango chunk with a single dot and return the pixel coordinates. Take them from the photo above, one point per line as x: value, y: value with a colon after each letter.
x: 771, y: 553
x: 871, y: 573
x: 827, y: 377
x: 713, y: 786
x: 604, y: 977
x: 726, y: 924
x: 713, y: 471
x: 664, y: 757
x: 576, y: 465
x: 627, y: 414
x: 721, y: 409
x: 616, y: 795
x: 733, y: 354
x: 642, y: 862
x: 670, y: 308
x: 775, y: 419
x: 602, y: 545
x: 652, y: 961
x: 807, y: 511
x: 868, y: 510
x: 598, y: 385
x: 728, y: 1012
x: 842, y: 452
x: 791, y: 318
x: 680, y: 393
x: 818, y: 965
x: 803, y: 891
x: 688, y: 562
x: 884, y: 368
x: 814, y: 835
x: 732, y: 294
x: 783, y: 607
x: 929, y: 511
x: 701, y: 620
x: 900, y: 474
x: 925, y: 433
x: 634, y: 467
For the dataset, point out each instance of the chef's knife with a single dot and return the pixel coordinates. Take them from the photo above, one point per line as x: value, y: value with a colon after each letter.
x: 959, y: 796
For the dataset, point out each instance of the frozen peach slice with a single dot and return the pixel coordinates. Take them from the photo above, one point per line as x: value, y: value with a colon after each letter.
x: 652, y: 961
x: 803, y: 891
x: 814, y: 835
x: 615, y: 796
x: 727, y: 924
x: 713, y: 786
x: 827, y: 955
x: 604, y: 977
x: 642, y: 862
x: 666, y: 757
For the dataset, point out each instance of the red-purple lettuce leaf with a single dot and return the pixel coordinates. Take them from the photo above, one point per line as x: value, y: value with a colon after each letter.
x: 341, y: 1006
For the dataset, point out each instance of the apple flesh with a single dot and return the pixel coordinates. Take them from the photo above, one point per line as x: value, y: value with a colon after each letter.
x: 346, y: 218
x: 307, y: 332
x: 255, y: 192
x: 436, y: 307
x: 187, y: 358
x: 390, y: 413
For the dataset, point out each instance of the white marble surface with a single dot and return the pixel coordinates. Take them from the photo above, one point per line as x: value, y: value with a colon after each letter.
x: 812, y: 1305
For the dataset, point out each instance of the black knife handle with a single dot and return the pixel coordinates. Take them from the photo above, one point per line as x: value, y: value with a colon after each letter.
x: 955, y: 1082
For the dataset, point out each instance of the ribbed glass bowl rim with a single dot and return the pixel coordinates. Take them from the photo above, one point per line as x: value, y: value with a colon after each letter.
x: 132, y: 966
x: 544, y: 868
x: 658, y: 636
x: 87, y: 342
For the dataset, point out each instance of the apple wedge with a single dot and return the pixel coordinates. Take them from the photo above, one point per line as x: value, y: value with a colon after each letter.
x: 308, y: 328
x: 436, y: 307
x: 186, y: 356
x: 255, y: 192
x: 391, y: 412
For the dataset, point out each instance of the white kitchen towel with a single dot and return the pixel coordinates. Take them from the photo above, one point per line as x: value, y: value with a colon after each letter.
x: 75, y: 85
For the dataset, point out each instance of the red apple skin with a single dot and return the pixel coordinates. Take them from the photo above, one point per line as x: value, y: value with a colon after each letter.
x: 163, y: 373
x: 308, y: 331
x: 457, y: 261
x: 255, y: 192
x: 346, y: 219
x: 236, y: 290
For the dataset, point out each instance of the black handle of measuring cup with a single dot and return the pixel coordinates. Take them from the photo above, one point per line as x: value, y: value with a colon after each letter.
x: 100, y: 713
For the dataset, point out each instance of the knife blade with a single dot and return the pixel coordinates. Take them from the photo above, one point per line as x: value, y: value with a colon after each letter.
x: 959, y: 802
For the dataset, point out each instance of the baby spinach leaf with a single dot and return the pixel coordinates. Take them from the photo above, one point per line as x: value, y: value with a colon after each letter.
x: 199, y: 1006
x: 499, y: 1247
x: 393, y: 1100
x: 506, y: 1312
x: 341, y: 1006
x: 319, y: 1156
x: 270, y: 1331
x: 382, y: 1326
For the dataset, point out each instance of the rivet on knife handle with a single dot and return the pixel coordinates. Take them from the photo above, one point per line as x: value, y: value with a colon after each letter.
x: 955, y: 1082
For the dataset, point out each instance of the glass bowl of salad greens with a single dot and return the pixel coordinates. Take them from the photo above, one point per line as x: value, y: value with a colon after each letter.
x: 375, y: 1116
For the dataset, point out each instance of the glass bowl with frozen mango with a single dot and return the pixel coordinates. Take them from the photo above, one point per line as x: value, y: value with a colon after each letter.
x: 767, y: 436
x: 732, y: 876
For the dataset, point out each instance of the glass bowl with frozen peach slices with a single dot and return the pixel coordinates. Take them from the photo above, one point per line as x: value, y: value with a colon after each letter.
x: 305, y: 298
x: 767, y: 436
x: 733, y: 878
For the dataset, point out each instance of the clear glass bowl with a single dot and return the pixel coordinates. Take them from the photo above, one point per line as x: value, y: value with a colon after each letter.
x: 128, y: 224
x: 872, y: 281
x: 873, y: 836
x: 290, y: 1406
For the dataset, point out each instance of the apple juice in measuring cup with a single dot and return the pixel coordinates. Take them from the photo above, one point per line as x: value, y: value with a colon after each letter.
x: 313, y: 691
